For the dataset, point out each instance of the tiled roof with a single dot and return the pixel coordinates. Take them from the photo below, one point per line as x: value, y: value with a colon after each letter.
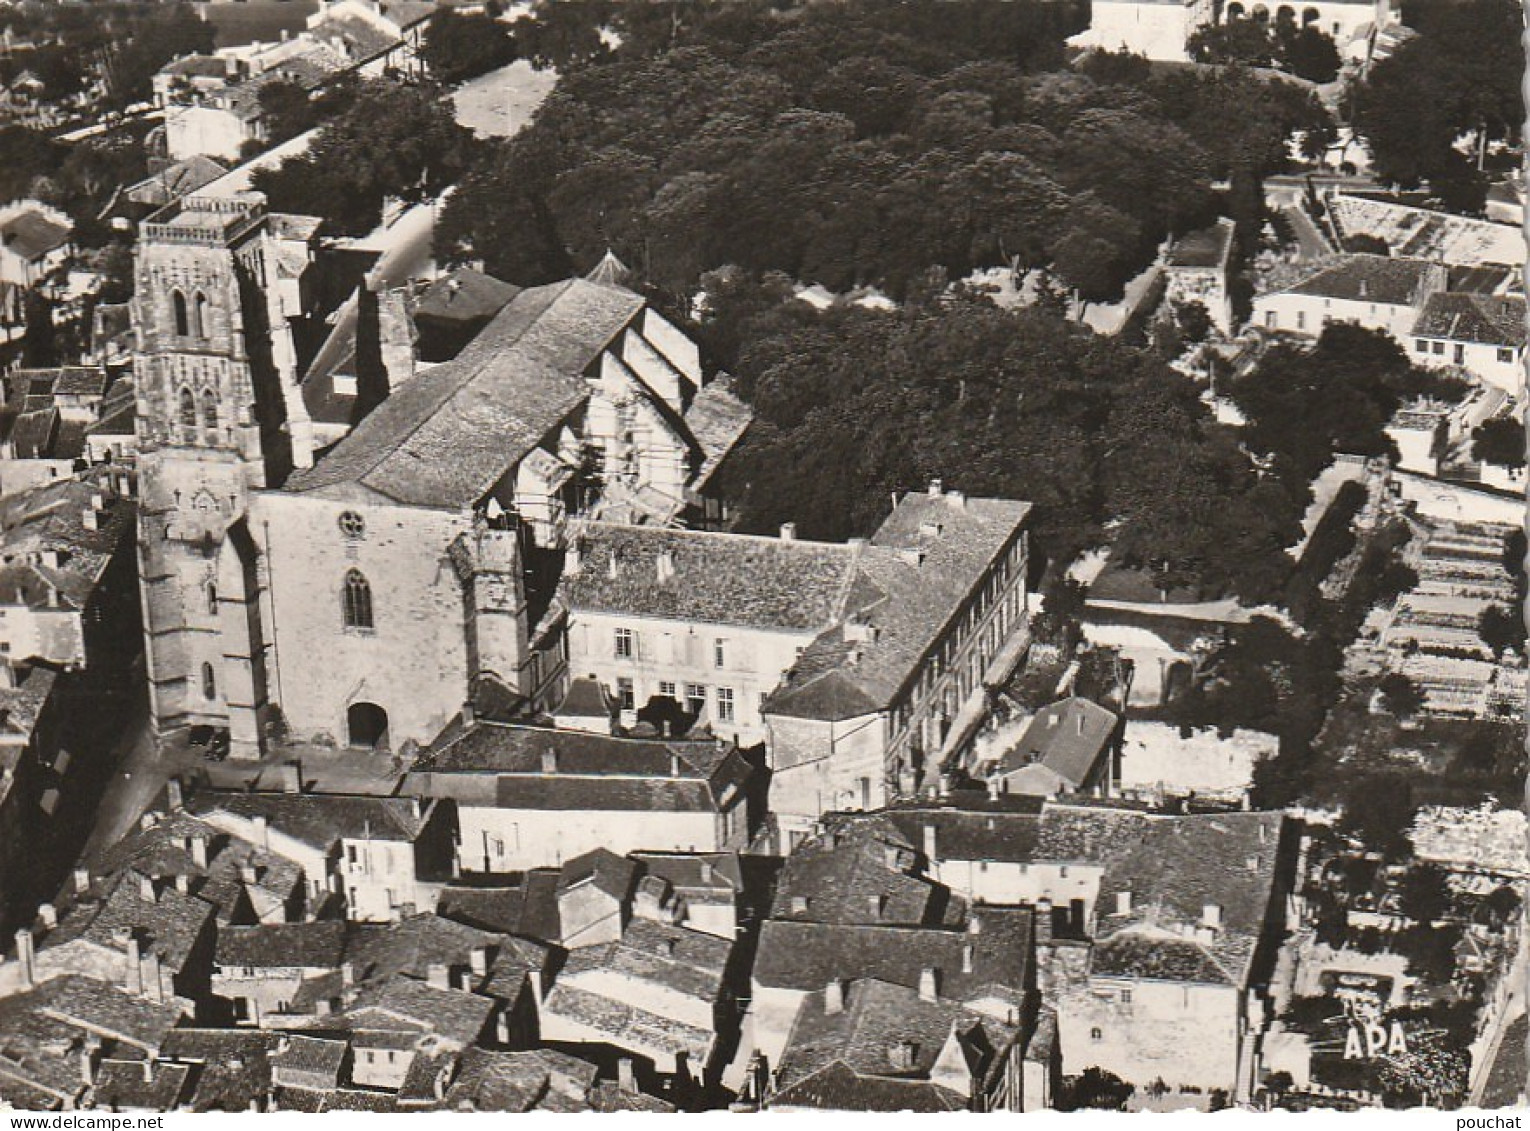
x: 123, y: 1085
x: 695, y: 874
x: 169, y: 927
x: 175, y: 181
x: 1497, y: 320
x: 319, y: 945
x: 309, y: 1055
x: 232, y: 1065
x: 536, y: 1080
x: 464, y: 295
x: 107, y: 1011
x: 452, y: 1015
x: 989, y: 834
x: 628, y: 1026
x: 859, y: 877
x: 1089, y: 835
x: 1369, y: 278
x: 318, y: 819
x: 717, y: 418
x: 727, y: 579
x: 1068, y: 737
x: 411, y: 946
x: 445, y: 437
x: 806, y: 956
x: 31, y: 235
x: 601, y: 867
x: 487, y: 908
x: 921, y: 564
x: 876, y: 1021
x: 677, y: 958
x: 1182, y: 865
x: 33, y: 433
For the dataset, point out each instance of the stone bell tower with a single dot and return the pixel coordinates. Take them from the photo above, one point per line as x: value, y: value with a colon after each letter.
x: 215, y: 382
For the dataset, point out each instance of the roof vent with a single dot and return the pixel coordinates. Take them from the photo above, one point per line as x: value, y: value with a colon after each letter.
x: 929, y: 530
x: 903, y: 1054
x: 912, y: 556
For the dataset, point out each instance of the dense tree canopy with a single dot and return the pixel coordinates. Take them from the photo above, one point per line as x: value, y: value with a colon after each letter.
x: 459, y: 47
x: 393, y: 140
x: 853, y: 405
x: 862, y: 144
x: 1306, y: 52
x: 1459, y: 75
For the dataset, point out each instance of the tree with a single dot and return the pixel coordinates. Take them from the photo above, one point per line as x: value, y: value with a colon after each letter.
x: 1425, y: 894
x: 1379, y: 810
x: 459, y: 47
x: 1500, y: 440
x: 1502, y: 629
x: 392, y: 141
x: 1235, y: 40
x: 1434, y: 1072
x: 1194, y: 320
x: 167, y: 32
x: 1308, y: 54
x: 39, y: 342
x: 1099, y: 1089
x: 1400, y: 694
x: 1367, y: 243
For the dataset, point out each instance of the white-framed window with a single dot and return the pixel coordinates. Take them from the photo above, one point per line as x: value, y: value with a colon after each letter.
x: 626, y: 694
x: 667, y: 689
x: 695, y: 698
x: 720, y: 653
x: 725, y: 704
x: 625, y: 644
x: 1301, y: 319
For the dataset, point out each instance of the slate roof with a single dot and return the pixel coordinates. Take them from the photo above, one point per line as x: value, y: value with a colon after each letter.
x: 103, y: 1009
x: 919, y: 567
x: 447, y: 436
x: 309, y: 1055
x: 680, y: 959
x: 806, y: 956
x: 34, y: 432
x: 844, y: 1060
x: 175, y: 181
x: 319, y: 945
x: 487, y: 908
x: 1363, y: 277
x: 860, y: 877
x: 727, y: 579
x: 717, y: 418
x: 1068, y: 737
x: 535, y: 1080
x: 994, y: 835
x: 612, y: 874
x: 703, y: 875
x: 1495, y: 320
x: 32, y: 235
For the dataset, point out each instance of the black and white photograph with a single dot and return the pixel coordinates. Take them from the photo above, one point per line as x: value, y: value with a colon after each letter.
x: 763, y: 556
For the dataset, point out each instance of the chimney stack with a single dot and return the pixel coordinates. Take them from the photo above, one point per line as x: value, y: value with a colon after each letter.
x: 81, y: 881
x: 439, y: 975
x: 1211, y: 916
x: 611, y: 567
x: 134, y: 969
x: 262, y: 832
x: 468, y: 714
x: 929, y: 984
x: 90, y: 1061
x: 674, y: 765
x: 48, y: 914
x: 665, y: 565
x: 936, y: 488
x: 174, y: 800
x: 153, y: 982
x: 478, y: 960
x: 199, y: 851
x: 705, y: 868
x: 146, y: 890
x: 930, y: 843
x: 26, y: 957
x: 833, y: 997
x: 549, y: 761
x: 1043, y: 920
x: 788, y: 532
x: 88, y: 519
x: 534, y: 976
x: 966, y: 958
x: 624, y: 1079
x: 1123, y: 902
x: 292, y: 776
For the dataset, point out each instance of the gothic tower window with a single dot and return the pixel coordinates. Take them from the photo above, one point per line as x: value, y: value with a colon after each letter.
x: 210, y: 412
x: 188, y: 410
x: 212, y: 599
x: 182, y: 319
x: 209, y: 682
x: 357, y: 599
x: 199, y: 316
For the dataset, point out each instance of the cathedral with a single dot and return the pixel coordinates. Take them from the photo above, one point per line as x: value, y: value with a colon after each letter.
x: 347, y: 544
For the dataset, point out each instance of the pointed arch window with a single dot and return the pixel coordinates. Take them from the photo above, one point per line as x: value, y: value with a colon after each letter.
x: 210, y: 410
x: 212, y: 598
x: 357, y: 600
x: 199, y: 316
x: 182, y: 315
x: 209, y: 682
x: 187, y: 409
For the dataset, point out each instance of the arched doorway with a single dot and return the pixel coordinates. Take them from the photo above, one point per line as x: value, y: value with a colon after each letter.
x: 366, y: 726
